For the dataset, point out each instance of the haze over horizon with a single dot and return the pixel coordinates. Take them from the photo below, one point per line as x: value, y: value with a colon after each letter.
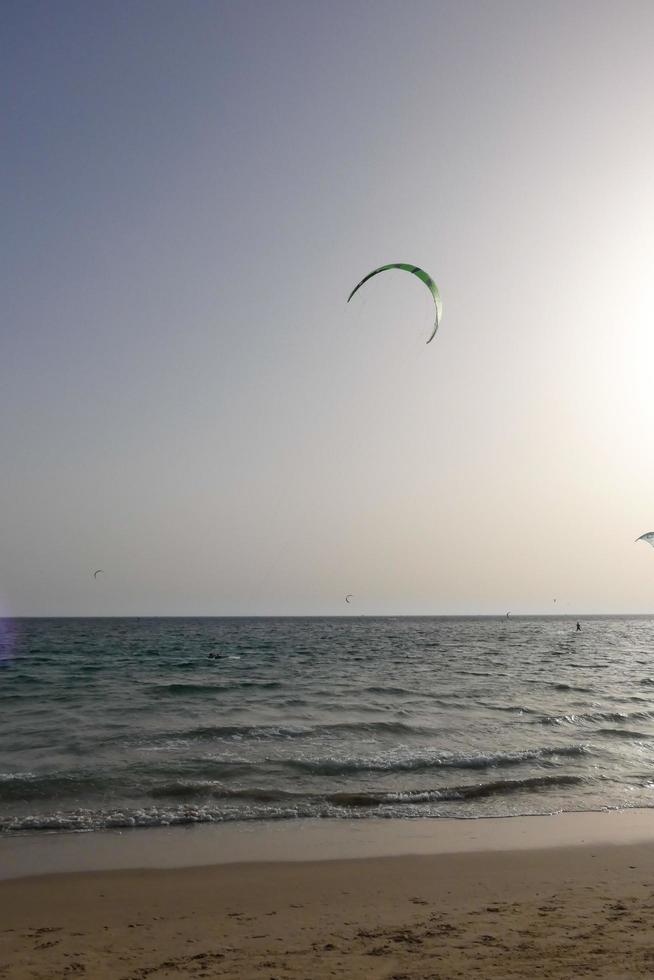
x: 186, y: 399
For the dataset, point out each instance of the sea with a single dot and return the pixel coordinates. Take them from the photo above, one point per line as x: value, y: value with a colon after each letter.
x: 115, y: 723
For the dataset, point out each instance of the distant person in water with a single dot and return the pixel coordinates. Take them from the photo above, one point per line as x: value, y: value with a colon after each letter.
x: 579, y: 626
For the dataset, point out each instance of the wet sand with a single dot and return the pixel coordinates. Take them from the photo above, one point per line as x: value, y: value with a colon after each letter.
x: 491, y: 911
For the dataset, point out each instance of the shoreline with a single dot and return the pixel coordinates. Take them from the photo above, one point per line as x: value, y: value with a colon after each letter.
x: 306, y: 840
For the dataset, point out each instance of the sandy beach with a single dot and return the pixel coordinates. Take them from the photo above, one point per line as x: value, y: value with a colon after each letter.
x: 581, y: 909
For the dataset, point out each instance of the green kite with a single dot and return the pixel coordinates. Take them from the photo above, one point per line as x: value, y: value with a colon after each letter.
x: 421, y: 274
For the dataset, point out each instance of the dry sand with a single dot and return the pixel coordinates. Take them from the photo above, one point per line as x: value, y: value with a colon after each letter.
x: 571, y: 911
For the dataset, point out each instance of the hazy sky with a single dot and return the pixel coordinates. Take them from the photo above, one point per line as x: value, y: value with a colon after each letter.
x: 191, y: 190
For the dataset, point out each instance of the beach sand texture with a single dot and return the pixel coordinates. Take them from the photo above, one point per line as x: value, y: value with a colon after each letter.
x: 560, y: 912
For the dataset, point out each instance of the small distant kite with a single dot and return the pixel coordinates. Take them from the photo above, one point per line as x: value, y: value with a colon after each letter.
x: 348, y: 597
x: 97, y: 572
x: 648, y: 537
x: 421, y: 274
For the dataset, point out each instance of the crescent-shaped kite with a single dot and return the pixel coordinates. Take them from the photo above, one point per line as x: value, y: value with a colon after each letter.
x: 349, y: 596
x: 648, y: 536
x: 421, y: 274
x: 97, y: 572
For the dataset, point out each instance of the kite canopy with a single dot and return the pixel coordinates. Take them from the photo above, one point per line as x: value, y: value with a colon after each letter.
x: 648, y: 536
x: 421, y: 274
x: 96, y: 573
x: 348, y: 597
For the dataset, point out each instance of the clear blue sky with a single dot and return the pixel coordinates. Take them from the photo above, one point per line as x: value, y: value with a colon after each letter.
x: 190, y: 191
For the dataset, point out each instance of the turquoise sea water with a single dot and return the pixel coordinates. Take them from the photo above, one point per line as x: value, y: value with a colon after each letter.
x: 126, y: 722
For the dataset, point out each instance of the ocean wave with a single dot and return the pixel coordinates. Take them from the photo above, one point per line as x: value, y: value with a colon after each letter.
x: 373, y: 727
x: 360, y: 798
x: 189, y: 687
x: 86, y: 820
x: 273, y: 806
x: 24, y: 678
x: 217, y: 790
x: 426, y: 761
x: 57, y: 785
x: 451, y: 793
x: 41, y: 786
x: 596, y: 716
x: 207, y: 776
x: 514, y: 709
x: 263, y: 732
x: 394, y: 691
x: 622, y: 733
